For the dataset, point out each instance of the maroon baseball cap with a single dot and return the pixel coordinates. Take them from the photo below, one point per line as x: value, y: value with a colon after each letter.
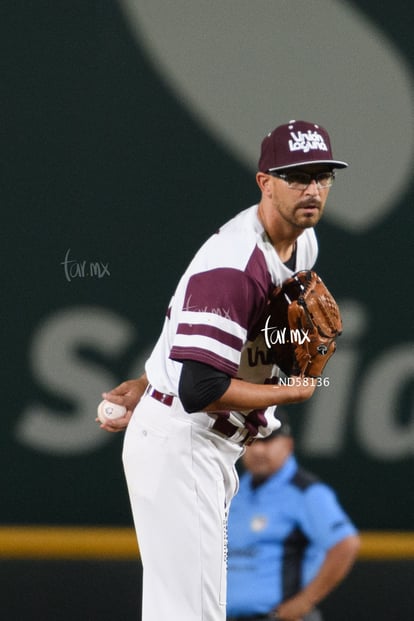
x: 296, y: 144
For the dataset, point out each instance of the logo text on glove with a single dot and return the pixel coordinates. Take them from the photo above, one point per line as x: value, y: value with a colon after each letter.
x: 274, y: 335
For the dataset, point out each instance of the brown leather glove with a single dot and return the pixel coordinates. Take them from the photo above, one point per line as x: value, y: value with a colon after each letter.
x: 302, y: 323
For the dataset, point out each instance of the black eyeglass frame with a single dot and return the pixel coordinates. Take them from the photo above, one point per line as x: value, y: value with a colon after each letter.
x: 310, y: 177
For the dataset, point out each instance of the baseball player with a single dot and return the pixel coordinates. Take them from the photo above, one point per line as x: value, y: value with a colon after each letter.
x: 290, y: 541
x: 210, y: 380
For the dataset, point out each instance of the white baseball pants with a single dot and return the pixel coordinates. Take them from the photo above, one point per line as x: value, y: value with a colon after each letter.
x: 181, y: 478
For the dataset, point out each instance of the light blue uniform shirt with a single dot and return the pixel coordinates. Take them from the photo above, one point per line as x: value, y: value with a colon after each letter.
x: 279, y: 534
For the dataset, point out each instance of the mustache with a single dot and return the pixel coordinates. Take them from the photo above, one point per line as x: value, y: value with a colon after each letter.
x: 310, y: 202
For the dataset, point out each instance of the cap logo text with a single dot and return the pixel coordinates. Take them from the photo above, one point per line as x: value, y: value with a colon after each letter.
x: 307, y: 142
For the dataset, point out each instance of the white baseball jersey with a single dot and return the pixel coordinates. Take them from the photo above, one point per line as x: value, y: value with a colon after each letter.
x: 180, y: 468
x: 218, y: 301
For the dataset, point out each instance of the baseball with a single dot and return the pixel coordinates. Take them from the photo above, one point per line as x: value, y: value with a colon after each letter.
x: 108, y: 410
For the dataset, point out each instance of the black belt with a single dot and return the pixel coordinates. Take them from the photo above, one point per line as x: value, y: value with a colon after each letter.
x: 314, y: 615
x: 250, y: 618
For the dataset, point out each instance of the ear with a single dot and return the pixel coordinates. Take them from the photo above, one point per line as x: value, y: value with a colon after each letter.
x: 264, y: 182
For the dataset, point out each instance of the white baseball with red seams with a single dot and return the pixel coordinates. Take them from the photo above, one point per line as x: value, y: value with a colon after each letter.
x: 110, y: 411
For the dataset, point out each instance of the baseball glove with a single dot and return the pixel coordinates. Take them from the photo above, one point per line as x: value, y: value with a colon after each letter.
x: 303, y: 321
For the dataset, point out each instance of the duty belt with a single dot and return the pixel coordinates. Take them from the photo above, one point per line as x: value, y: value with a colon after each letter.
x: 250, y: 618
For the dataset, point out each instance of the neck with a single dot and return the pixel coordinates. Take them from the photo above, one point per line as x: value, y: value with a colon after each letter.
x: 280, y: 233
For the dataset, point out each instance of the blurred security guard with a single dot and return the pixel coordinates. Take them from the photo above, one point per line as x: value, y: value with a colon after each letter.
x: 290, y: 542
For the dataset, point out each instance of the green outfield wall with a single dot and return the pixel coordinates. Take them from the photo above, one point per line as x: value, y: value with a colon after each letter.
x: 121, y: 151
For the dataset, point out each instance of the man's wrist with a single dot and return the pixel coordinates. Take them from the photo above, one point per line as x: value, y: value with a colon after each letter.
x: 311, y: 599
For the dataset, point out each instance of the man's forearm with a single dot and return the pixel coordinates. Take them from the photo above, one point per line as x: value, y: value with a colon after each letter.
x: 242, y: 395
x: 337, y: 564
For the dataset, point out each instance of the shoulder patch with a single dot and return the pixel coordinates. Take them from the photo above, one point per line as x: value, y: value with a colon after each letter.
x: 303, y: 479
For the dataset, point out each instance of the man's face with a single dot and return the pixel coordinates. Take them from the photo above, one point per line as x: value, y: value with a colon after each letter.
x: 264, y: 457
x: 302, y: 208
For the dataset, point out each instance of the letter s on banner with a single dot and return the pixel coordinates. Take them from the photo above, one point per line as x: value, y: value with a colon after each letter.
x: 57, y: 366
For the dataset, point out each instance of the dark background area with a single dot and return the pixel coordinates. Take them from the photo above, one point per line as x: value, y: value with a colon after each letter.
x: 103, y: 165
x: 87, y: 127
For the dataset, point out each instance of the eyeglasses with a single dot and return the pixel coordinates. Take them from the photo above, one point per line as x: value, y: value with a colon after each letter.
x: 301, y: 180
